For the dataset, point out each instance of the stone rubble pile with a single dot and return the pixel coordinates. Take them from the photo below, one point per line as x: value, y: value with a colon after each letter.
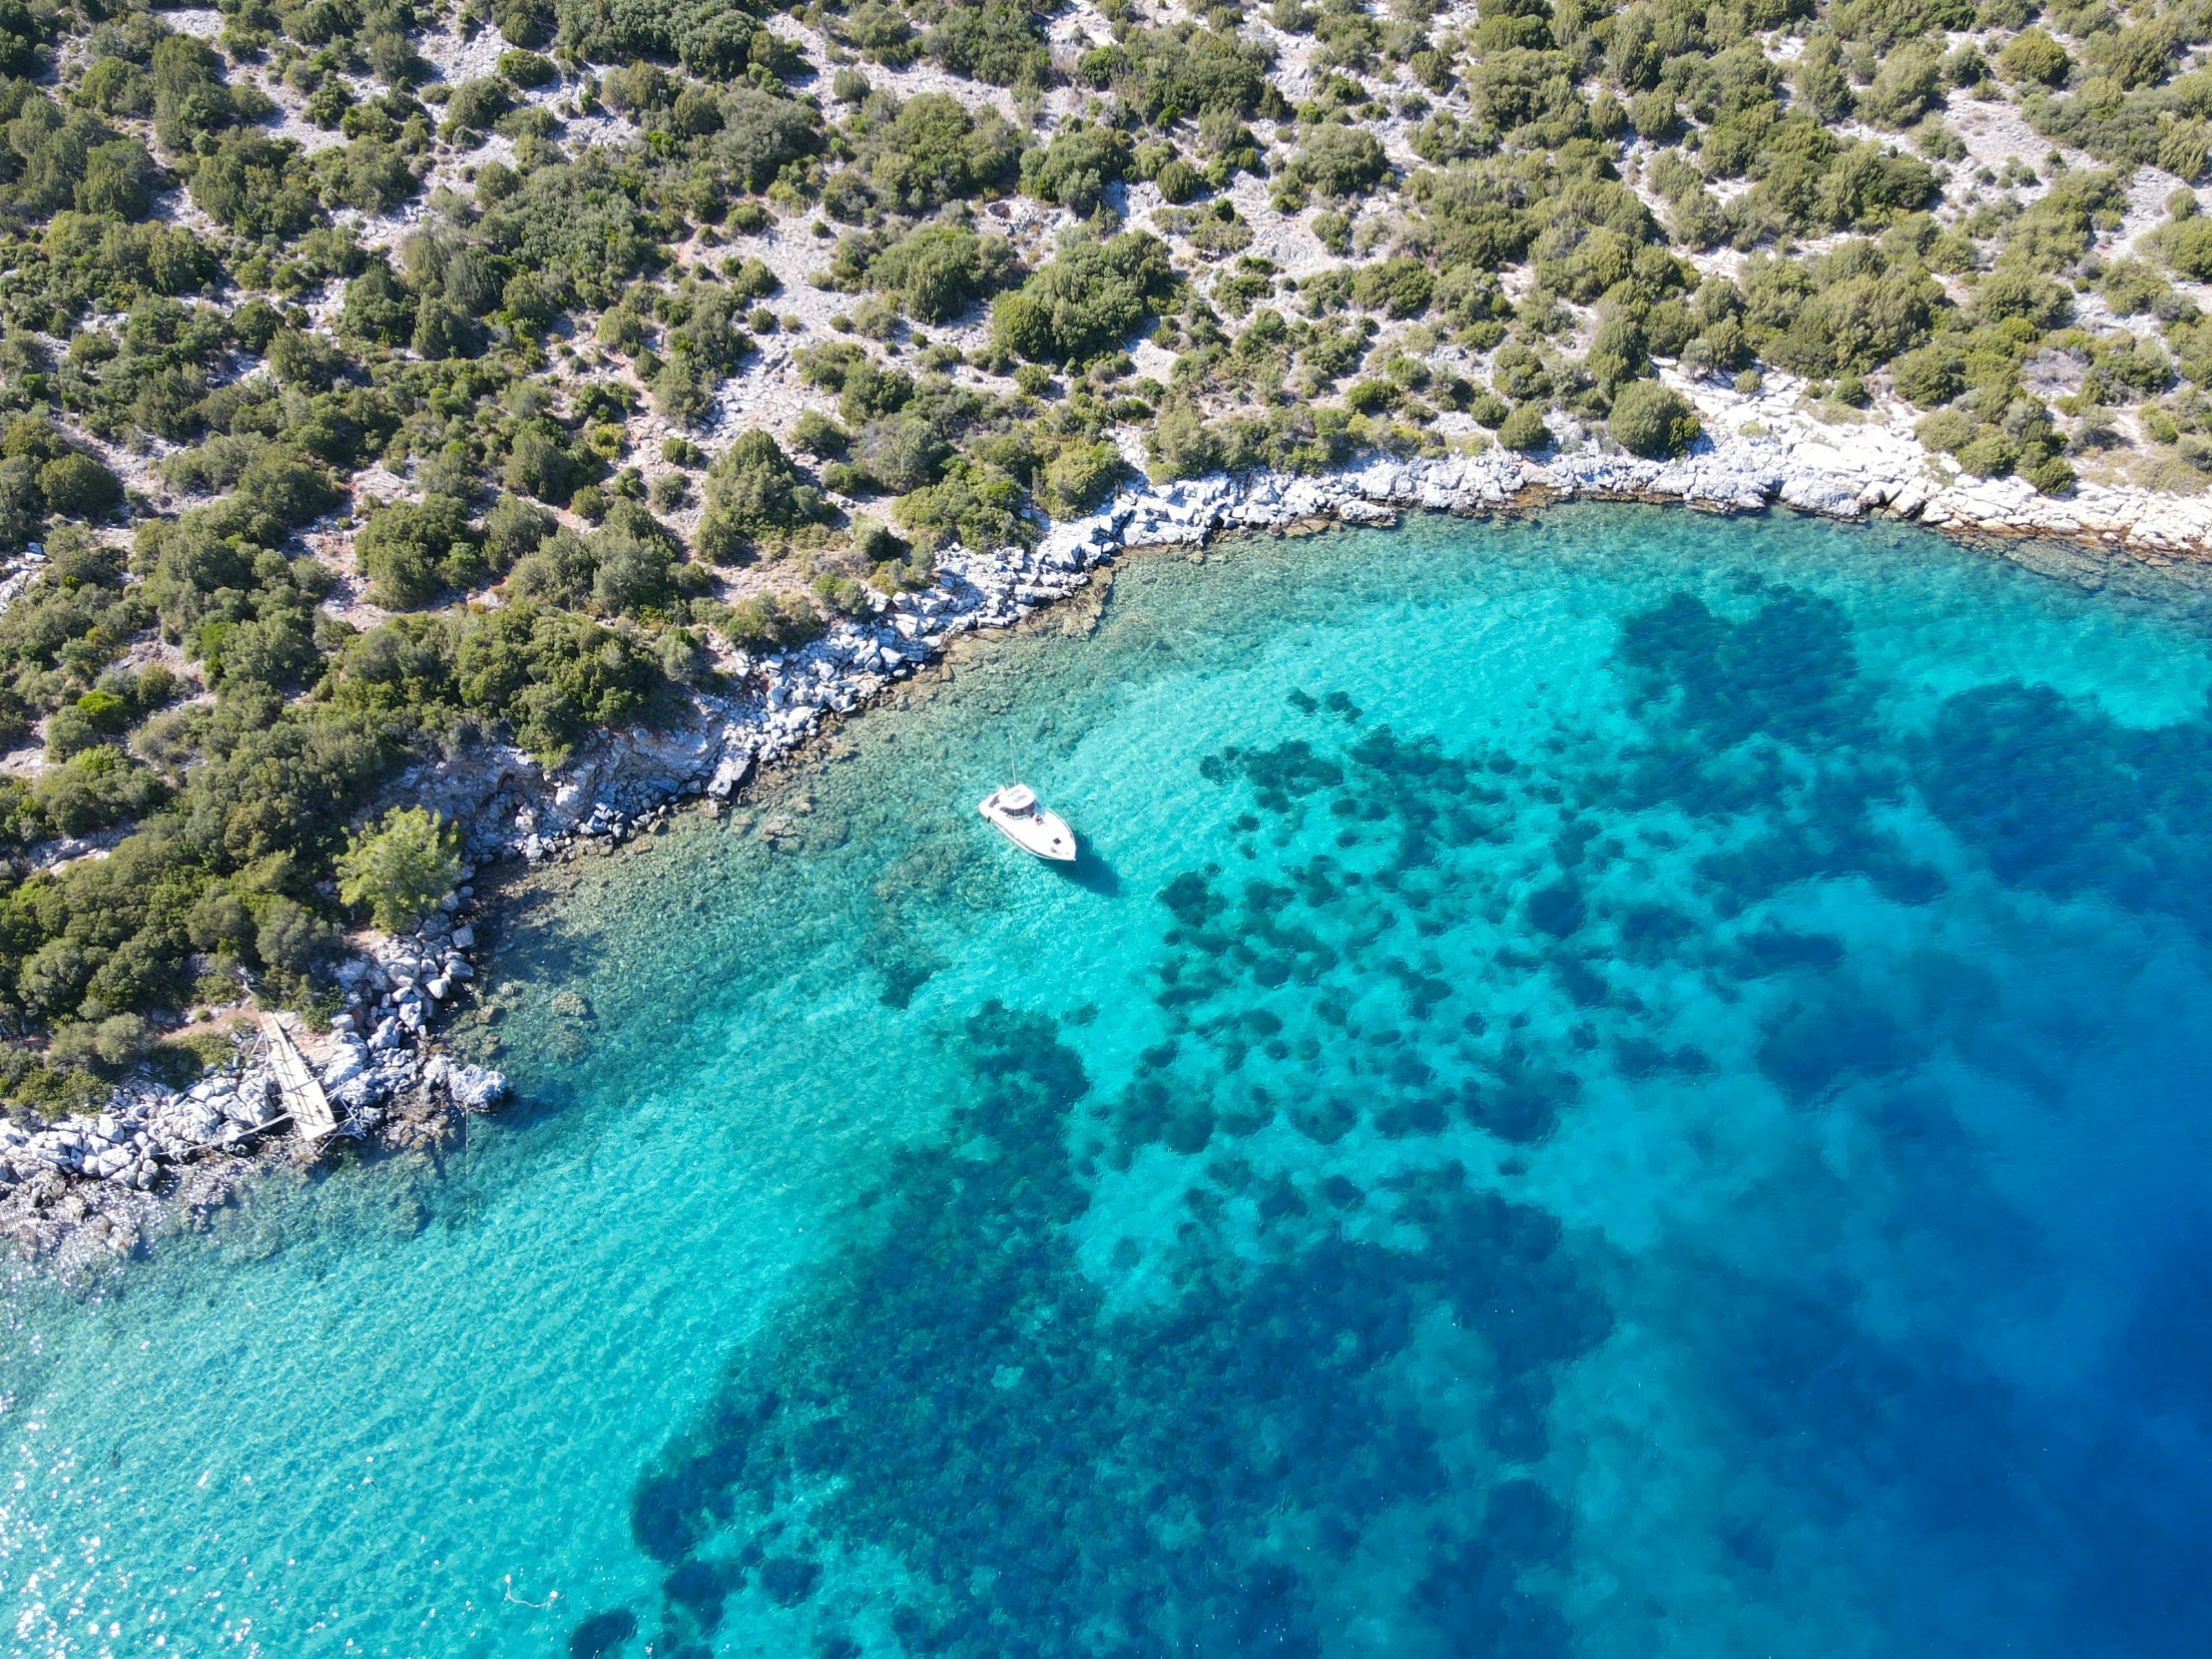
x: 143, y: 1128
x: 391, y: 997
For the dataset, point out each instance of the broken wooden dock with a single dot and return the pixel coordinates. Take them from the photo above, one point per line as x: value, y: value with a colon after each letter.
x: 304, y: 1100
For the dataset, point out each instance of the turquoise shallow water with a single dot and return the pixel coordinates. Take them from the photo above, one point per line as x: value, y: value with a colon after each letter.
x: 1627, y: 1084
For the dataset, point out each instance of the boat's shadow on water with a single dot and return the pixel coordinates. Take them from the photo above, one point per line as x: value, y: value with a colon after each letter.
x: 1092, y: 871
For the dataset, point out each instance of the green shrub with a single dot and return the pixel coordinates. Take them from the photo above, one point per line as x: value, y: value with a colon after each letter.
x: 1652, y: 420
x: 541, y: 463
x: 77, y: 486
x: 551, y: 677
x: 412, y: 554
x: 95, y: 788
x: 579, y: 223
x: 1078, y: 478
x: 2033, y: 58
x: 1525, y: 431
x: 117, y: 86
x: 1617, y: 351
x: 1908, y: 84
x: 1655, y: 117
x: 378, y: 308
x: 1084, y: 304
x: 528, y: 69
x: 512, y: 529
x: 754, y: 495
x: 1989, y: 453
x: 817, y: 434
x: 771, y: 622
x: 1179, y: 70
x: 367, y: 174
x: 1077, y: 166
x: 2187, y: 246
x: 94, y: 719
x: 940, y: 269
x: 107, y: 1046
x: 1399, y: 288
x: 1340, y: 161
x: 256, y: 185
x: 1949, y: 430
x: 932, y: 152
x: 475, y: 106
x: 192, y: 98
x: 2021, y: 294
x: 1930, y: 376
x: 1371, y: 397
x: 762, y: 134
x: 998, y: 41
x: 975, y: 505
x: 900, y: 453
x: 629, y: 566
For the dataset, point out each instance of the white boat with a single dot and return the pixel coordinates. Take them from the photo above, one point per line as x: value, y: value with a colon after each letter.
x: 1016, y: 812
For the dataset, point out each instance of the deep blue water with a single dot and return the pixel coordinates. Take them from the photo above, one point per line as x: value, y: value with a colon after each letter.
x: 1613, y: 1085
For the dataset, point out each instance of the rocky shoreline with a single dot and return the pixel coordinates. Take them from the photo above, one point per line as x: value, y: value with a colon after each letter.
x: 515, y: 808
x: 80, y: 1190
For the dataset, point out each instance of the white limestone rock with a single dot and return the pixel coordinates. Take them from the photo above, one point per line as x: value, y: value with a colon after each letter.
x: 475, y: 1089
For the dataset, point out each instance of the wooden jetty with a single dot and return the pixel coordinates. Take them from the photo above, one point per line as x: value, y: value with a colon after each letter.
x: 304, y: 1097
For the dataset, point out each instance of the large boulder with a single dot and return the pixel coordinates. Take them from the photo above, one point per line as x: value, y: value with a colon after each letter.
x: 475, y: 1089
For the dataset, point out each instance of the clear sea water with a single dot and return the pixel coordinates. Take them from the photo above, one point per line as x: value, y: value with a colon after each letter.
x: 1625, y: 1084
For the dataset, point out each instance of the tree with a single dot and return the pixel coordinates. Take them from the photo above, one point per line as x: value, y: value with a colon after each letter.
x: 401, y: 870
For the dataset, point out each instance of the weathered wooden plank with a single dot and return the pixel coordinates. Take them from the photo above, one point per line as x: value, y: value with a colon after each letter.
x: 303, y: 1096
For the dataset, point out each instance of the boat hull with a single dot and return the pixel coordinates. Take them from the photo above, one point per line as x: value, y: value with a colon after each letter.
x: 1039, y: 834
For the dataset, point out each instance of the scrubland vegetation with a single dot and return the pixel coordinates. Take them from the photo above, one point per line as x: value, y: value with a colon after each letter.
x: 380, y: 376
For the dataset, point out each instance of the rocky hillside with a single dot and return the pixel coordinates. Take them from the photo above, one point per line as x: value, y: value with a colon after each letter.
x: 383, y: 380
